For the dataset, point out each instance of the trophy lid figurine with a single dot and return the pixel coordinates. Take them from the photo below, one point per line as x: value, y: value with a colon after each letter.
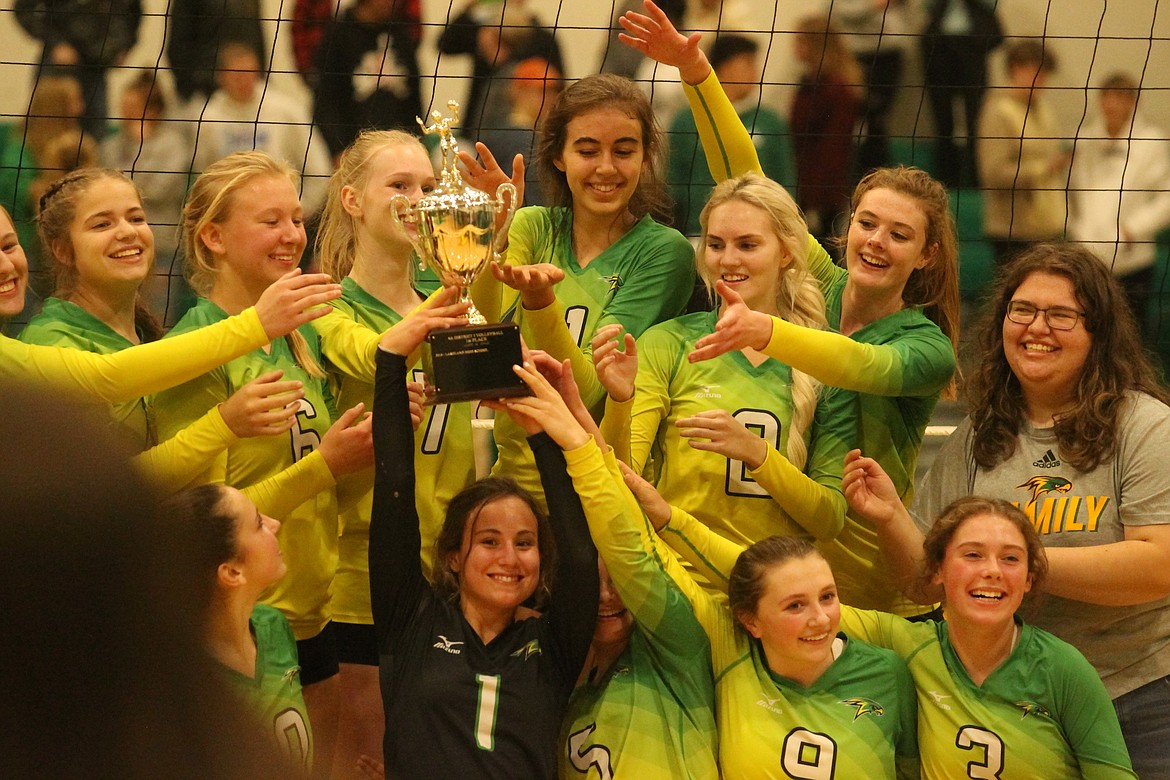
x: 456, y: 235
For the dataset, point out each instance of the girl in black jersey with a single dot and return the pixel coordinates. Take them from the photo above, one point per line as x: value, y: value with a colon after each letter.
x: 473, y: 683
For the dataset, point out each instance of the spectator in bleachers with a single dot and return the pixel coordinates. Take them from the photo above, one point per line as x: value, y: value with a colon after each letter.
x: 625, y: 60
x: 955, y: 43
x: 497, y: 34
x: 246, y: 114
x: 1023, y: 166
x: 735, y: 60
x: 533, y: 89
x: 152, y: 149
x: 876, y: 32
x: 824, y: 113
x: 1117, y: 199
x: 54, y: 109
x: 366, y: 74
x: 312, y: 17
x: 198, y: 30
x: 82, y: 39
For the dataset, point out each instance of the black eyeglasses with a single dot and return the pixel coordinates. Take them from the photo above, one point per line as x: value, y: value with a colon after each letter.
x: 1057, y: 317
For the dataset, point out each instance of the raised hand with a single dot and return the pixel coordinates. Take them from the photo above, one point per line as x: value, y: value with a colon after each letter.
x: 294, y: 299
x: 486, y: 174
x: 715, y: 430
x: 545, y: 410
x: 439, y: 311
x: 534, y: 282
x: 651, y: 501
x: 263, y: 407
x: 739, y: 327
x: 348, y: 445
x: 654, y: 35
x: 616, y: 370
x: 869, y: 490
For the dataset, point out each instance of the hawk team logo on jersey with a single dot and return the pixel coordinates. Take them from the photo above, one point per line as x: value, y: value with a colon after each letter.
x: 1041, y: 484
x: 770, y: 704
x: 615, y: 283
x: 865, y: 707
x: 292, y: 674
x: 1049, y: 461
x: 448, y: 645
x: 708, y: 391
x: 1032, y: 708
x: 531, y: 648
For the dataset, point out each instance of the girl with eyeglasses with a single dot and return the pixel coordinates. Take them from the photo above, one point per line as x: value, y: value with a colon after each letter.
x: 1069, y: 421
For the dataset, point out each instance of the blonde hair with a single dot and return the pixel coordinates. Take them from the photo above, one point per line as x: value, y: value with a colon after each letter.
x: 209, y: 202
x: 337, y: 231
x: 798, y: 295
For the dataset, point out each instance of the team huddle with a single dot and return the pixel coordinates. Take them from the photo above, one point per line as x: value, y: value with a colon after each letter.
x: 700, y: 552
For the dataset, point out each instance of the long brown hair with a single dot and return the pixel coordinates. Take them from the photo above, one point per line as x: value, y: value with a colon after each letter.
x: 828, y: 54
x: 58, y: 209
x: 960, y: 511
x: 1087, y: 434
x: 604, y: 90
x: 210, y: 201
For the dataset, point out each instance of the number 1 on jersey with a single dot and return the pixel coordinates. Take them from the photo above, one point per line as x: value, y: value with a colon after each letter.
x: 485, y: 711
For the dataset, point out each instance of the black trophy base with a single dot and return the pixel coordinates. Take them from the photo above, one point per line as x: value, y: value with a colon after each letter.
x: 473, y: 363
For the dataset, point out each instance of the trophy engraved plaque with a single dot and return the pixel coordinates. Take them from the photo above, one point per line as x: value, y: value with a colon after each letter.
x: 456, y: 236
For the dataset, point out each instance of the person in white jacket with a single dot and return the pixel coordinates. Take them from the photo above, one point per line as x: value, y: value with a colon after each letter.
x: 1117, y: 200
x: 245, y: 114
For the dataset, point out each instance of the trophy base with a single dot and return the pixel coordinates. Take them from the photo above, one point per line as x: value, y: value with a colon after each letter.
x: 473, y: 363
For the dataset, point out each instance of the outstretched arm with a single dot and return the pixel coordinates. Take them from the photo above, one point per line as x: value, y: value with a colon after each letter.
x: 655, y: 36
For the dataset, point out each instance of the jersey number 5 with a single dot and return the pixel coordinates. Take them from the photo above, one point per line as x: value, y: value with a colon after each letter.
x: 767, y: 426
x: 807, y: 755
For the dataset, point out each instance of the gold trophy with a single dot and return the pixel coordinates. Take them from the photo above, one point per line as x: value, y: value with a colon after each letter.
x: 456, y: 235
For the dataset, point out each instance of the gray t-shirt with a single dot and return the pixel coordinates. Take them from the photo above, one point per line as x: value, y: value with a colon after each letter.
x: 1129, y: 646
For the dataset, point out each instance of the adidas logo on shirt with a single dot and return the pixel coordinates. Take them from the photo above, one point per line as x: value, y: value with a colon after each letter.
x: 1049, y: 461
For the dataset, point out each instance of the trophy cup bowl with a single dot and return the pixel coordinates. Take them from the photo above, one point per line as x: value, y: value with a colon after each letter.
x: 456, y: 235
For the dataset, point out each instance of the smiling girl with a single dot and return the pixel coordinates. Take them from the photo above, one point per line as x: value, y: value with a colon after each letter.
x: 93, y: 226
x: 996, y: 697
x: 127, y: 375
x: 894, y: 306
x: 473, y: 684
x: 243, y: 228
x: 252, y: 642
x: 599, y: 157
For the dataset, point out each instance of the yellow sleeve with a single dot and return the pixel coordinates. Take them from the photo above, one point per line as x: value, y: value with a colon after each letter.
x: 137, y: 371
x: 348, y: 345
x: 726, y: 142
x: 817, y: 509
x: 615, y: 427
x: 280, y: 494
x: 546, y: 329
x: 177, y: 462
x: 710, y: 554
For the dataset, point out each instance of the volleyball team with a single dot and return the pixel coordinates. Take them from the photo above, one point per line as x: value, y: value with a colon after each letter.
x: 701, y: 552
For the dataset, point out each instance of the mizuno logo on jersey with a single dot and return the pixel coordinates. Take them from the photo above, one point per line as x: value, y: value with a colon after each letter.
x: 938, y: 699
x: 771, y: 704
x: 1032, y: 708
x: 708, y: 391
x: 1049, y: 461
x: 1040, y: 485
x: 865, y: 707
x: 447, y: 645
x: 531, y: 648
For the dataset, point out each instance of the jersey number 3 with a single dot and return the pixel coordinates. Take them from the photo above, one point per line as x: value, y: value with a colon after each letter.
x: 972, y: 737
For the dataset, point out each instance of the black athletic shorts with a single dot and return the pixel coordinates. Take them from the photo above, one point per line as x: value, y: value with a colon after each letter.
x: 356, y: 643
x: 318, y: 656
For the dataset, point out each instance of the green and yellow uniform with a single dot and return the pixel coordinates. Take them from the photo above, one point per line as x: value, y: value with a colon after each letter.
x: 285, y: 475
x: 652, y: 713
x: 443, y: 462
x: 643, y: 278
x: 273, y: 693
x: 1043, y: 713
